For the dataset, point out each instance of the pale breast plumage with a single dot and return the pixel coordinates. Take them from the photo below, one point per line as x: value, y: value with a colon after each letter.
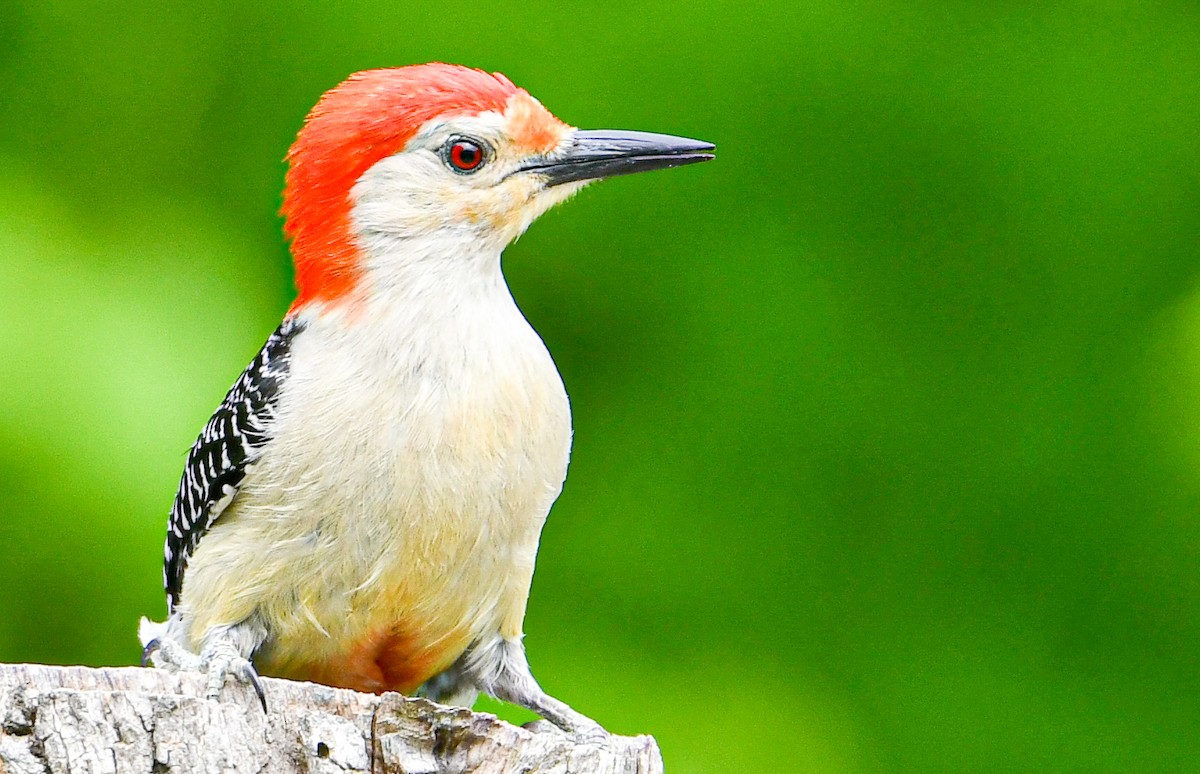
x: 403, y: 509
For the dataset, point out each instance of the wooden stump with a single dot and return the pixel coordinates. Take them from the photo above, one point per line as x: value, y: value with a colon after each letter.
x: 78, y: 719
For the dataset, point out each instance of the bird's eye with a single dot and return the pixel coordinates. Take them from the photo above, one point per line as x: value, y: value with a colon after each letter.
x: 465, y: 155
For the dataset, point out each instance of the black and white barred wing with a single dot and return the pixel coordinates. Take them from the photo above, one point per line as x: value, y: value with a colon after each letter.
x: 218, y: 460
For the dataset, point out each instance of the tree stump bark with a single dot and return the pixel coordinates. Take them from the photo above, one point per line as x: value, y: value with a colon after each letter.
x: 117, y: 720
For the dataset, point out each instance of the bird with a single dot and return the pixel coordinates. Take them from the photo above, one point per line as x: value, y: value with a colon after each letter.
x: 363, y: 509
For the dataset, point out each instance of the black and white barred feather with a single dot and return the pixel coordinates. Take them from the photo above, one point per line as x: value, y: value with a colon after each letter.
x: 218, y: 460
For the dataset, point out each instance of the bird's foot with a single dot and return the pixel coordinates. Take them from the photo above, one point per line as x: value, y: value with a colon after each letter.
x: 586, y: 732
x: 500, y: 668
x: 161, y: 650
x: 559, y: 716
x: 167, y: 654
x: 220, y: 658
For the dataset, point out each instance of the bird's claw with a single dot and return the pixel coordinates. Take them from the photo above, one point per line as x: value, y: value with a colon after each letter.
x: 148, y: 652
x: 168, y: 655
x: 218, y: 658
x: 250, y: 675
x: 589, y: 733
x: 581, y: 731
x: 221, y: 663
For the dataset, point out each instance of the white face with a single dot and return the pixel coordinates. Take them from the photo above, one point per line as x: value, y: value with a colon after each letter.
x: 434, y: 189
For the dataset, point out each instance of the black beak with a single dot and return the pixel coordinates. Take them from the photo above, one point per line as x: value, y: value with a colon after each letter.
x: 610, y: 152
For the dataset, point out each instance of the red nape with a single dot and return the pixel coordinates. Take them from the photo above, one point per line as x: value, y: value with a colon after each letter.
x: 368, y: 117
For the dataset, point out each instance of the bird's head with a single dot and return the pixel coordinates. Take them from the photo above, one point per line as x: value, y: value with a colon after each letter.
x: 438, y: 154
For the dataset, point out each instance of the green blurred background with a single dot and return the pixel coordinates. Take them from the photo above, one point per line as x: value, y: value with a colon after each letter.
x: 887, y: 437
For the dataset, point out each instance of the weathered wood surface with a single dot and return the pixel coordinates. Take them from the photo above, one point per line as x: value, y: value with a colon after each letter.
x: 78, y: 719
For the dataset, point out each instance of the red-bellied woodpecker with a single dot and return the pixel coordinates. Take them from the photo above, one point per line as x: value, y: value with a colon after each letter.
x: 364, y: 508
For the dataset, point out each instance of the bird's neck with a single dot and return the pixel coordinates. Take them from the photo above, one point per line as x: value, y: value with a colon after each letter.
x: 427, y: 291
x: 439, y: 276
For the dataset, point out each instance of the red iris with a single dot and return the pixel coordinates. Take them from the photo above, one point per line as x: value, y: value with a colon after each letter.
x: 466, y: 155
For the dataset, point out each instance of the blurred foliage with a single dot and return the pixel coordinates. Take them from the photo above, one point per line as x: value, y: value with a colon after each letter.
x: 887, y: 436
